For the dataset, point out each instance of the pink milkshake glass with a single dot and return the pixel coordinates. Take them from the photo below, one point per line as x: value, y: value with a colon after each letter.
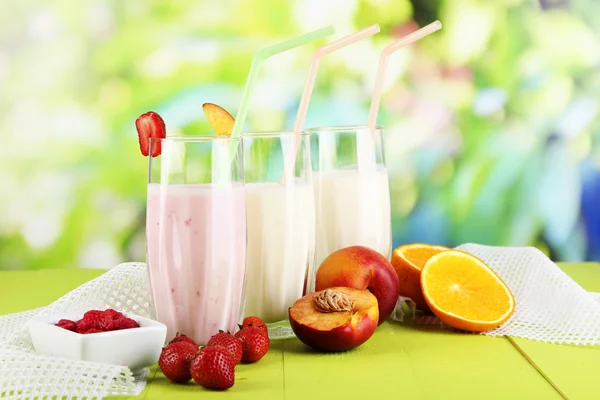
x: 196, y: 235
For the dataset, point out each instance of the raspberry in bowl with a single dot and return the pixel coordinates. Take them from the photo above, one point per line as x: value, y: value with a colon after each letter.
x: 95, y: 321
x: 107, y: 336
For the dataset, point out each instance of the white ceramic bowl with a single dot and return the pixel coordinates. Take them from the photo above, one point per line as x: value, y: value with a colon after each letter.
x: 135, y: 348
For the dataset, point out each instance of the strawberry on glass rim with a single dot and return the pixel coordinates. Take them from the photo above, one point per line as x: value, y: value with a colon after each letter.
x: 150, y: 125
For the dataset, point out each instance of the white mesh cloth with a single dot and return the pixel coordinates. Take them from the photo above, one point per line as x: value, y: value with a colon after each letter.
x: 27, y: 375
x: 550, y: 306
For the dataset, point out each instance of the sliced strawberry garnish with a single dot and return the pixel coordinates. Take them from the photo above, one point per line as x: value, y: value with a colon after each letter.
x: 150, y: 125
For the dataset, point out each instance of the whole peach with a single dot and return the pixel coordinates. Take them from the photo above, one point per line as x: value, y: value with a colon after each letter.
x: 361, y: 268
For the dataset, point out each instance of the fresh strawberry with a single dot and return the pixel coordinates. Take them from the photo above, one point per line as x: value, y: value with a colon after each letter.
x: 150, y: 125
x: 230, y: 342
x: 255, y: 322
x: 183, y: 338
x: 213, y: 368
x: 255, y: 343
x: 175, y: 360
x: 67, y: 324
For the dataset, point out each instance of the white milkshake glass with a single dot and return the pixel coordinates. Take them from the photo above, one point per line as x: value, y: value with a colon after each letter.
x: 352, y: 196
x: 281, y: 227
x: 196, y: 236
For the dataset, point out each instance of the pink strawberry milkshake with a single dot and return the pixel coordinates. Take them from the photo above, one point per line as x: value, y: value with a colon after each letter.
x: 196, y: 253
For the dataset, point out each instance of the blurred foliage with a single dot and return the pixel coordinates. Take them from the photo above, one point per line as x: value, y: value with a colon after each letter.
x: 491, y: 124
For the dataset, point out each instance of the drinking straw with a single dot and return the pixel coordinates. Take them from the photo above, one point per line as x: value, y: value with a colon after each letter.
x: 365, y: 145
x: 259, y: 58
x: 383, y: 60
x: 314, y: 67
x: 310, y: 83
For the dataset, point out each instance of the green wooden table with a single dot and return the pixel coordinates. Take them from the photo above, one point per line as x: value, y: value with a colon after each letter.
x: 401, y: 361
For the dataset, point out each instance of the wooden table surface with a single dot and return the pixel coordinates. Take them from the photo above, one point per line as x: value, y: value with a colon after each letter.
x: 401, y: 360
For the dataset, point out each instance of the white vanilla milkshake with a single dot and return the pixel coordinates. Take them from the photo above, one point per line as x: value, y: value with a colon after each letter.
x: 352, y: 208
x: 280, y: 247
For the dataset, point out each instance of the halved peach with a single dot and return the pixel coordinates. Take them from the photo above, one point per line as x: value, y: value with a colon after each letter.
x: 335, y: 319
x: 219, y: 119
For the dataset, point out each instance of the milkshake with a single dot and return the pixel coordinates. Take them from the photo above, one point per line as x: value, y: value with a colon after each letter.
x: 196, y: 254
x: 281, y: 226
x: 351, y: 188
x: 281, y: 241
x: 352, y: 208
x: 196, y: 237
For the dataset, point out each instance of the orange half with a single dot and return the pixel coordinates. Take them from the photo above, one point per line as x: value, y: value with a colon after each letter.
x: 408, y: 260
x: 463, y: 292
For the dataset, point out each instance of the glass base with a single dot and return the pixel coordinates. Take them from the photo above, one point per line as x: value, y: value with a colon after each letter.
x: 280, y: 330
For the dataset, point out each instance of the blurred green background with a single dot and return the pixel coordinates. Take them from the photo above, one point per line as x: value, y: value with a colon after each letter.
x: 492, y: 127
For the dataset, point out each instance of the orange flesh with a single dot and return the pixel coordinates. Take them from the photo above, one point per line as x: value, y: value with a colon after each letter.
x: 460, y: 285
x: 418, y: 254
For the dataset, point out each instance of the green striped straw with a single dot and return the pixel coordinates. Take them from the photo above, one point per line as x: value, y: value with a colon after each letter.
x: 259, y: 58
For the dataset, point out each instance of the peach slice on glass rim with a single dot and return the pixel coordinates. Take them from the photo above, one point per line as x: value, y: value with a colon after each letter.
x: 335, y: 319
x: 219, y: 119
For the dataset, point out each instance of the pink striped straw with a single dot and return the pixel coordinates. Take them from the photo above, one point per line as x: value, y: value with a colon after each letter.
x: 310, y: 84
x: 383, y: 60
x: 314, y: 67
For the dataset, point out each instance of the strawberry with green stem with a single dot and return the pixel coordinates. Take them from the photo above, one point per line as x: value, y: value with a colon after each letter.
x: 213, y: 368
x: 255, y: 322
x: 255, y: 343
x: 175, y: 360
x: 230, y: 342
